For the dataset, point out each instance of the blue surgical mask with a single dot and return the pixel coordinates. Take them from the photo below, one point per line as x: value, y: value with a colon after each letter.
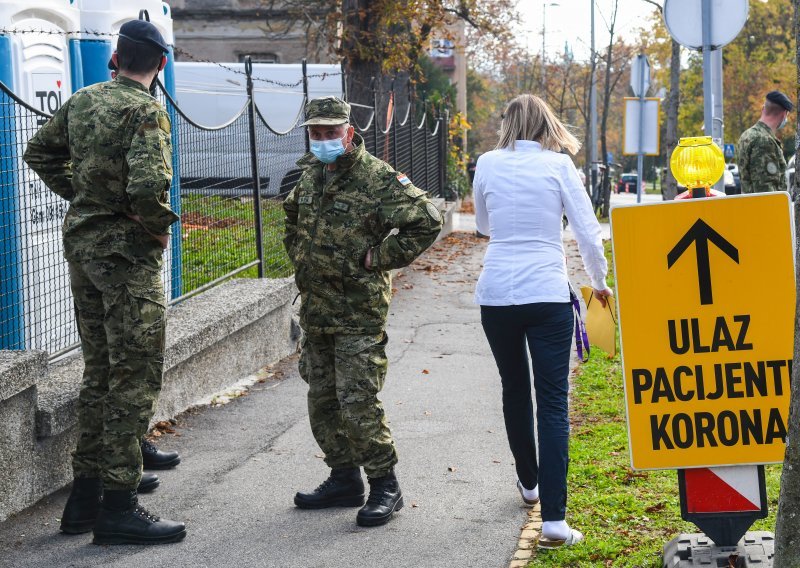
x: 327, y: 151
x: 783, y: 122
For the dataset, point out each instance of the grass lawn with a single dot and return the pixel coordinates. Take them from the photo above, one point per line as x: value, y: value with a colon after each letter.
x: 219, y: 236
x: 627, y: 516
x: 650, y: 187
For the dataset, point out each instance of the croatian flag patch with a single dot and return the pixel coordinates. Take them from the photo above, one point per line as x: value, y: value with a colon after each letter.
x: 403, y: 179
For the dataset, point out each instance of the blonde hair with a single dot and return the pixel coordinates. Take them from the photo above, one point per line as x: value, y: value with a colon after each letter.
x: 527, y: 117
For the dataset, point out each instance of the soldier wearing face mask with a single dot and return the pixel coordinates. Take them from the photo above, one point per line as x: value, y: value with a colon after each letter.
x: 350, y: 220
x: 762, y: 166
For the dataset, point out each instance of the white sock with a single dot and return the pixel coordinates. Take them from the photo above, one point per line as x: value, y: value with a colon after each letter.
x: 530, y: 494
x: 555, y: 530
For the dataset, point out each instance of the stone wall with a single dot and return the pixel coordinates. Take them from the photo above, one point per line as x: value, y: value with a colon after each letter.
x: 213, y: 340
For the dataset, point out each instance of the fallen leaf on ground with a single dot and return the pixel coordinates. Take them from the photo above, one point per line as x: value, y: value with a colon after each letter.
x: 426, y: 372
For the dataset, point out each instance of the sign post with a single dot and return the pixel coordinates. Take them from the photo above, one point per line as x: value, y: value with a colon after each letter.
x: 640, y: 83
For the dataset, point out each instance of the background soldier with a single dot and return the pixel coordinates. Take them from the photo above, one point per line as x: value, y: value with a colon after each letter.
x: 107, y: 151
x: 762, y: 166
x: 349, y: 221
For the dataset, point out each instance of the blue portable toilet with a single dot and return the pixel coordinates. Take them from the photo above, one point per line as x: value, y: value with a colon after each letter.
x: 100, y: 24
x: 40, y: 64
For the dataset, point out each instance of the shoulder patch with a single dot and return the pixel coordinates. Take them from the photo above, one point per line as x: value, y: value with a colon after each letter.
x: 305, y: 200
x: 433, y: 212
x: 164, y: 124
x: 403, y: 179
x: 413, y: 192
x: 772, y: 168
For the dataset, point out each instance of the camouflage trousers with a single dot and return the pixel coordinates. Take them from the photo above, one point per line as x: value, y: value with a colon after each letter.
x: 119, y: 307
x: 345, y: 373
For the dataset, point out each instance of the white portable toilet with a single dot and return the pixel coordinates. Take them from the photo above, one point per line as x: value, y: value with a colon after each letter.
x: 43, y: 59
x: 100, y: 24
x: 40, y: 64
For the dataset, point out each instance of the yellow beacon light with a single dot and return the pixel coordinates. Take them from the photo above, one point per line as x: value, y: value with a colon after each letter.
x: 697, y: 162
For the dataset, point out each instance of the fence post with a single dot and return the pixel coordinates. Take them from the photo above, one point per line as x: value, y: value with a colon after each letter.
x: 444, y: 152
x: 375, y: 127
x: 251, y: 115
x: 412, y: 118
x: 344, y: 83
x: 393, y: 126
x: 305, y: 102
x: 426, y: 133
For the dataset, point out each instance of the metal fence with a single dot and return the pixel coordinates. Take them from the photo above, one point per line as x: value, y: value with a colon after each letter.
x: 228, y: 187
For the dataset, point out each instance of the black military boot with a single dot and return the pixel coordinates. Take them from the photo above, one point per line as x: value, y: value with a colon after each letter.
x: 123, y: 521
x: 384, y: 499
x: 344, y: 488
x: 153, y: 458
x: 148, y: 483
x: 82, y: 506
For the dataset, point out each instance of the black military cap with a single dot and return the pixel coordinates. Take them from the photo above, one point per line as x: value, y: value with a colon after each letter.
x: 780, y: 99
x: 140, y: 31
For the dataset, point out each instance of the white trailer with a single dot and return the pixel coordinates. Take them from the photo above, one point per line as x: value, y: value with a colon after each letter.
x: 212, y: 95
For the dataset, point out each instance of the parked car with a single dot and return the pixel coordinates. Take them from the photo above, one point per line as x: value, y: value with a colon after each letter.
x: 627, y: 183
x: 736, y: 187
x: 790, y: 175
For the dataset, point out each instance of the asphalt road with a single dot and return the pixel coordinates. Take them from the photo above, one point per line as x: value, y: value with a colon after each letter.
x: 243, y: 462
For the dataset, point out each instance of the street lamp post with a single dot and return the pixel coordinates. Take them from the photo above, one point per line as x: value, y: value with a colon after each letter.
x: 544, y: 48
x: 593, y: 112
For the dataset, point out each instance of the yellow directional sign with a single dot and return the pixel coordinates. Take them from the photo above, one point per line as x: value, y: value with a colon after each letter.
x: 706, y: 296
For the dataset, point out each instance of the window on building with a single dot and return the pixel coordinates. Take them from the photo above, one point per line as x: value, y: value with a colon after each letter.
x: 259, y: 57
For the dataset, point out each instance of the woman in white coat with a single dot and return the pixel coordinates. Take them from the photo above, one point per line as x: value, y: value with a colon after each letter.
x: 522, y: 189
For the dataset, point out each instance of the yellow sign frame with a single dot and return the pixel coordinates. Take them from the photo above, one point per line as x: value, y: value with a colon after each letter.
x: 706, y: 299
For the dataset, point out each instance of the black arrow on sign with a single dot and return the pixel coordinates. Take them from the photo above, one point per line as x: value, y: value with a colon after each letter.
x: 700, y: 234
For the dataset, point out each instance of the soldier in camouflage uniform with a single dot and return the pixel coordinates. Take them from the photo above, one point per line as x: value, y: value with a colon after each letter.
x: 107, y: 152
x: 762, y: 167
x: 349, y: 221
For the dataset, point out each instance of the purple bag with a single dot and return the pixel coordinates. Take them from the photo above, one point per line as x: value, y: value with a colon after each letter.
x: 581, y: 337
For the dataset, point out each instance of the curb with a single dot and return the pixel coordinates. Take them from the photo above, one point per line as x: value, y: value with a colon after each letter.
x: 528, y: 537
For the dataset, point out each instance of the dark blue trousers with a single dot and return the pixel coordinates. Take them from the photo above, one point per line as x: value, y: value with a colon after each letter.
x: 545, y: 329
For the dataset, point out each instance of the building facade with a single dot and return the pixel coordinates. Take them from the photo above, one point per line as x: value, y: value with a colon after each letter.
x: 228, y: 30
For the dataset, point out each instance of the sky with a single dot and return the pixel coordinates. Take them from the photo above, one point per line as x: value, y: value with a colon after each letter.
x: 570, y: 21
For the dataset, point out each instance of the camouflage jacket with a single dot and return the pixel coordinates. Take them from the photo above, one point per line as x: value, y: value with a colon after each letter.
x: 761, y: 163
x: 107, y: 151
x: 330, y: 225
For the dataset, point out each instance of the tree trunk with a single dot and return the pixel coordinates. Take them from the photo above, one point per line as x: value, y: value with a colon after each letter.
x: 787, y: 525
x: 604, y: 120
x: 670, y: 186
x: 358, y: 28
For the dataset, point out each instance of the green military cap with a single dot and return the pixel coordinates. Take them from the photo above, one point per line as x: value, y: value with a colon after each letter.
x: 327, y: 111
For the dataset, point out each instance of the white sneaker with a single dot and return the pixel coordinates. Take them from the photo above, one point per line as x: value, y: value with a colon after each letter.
x: 529, y: 496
